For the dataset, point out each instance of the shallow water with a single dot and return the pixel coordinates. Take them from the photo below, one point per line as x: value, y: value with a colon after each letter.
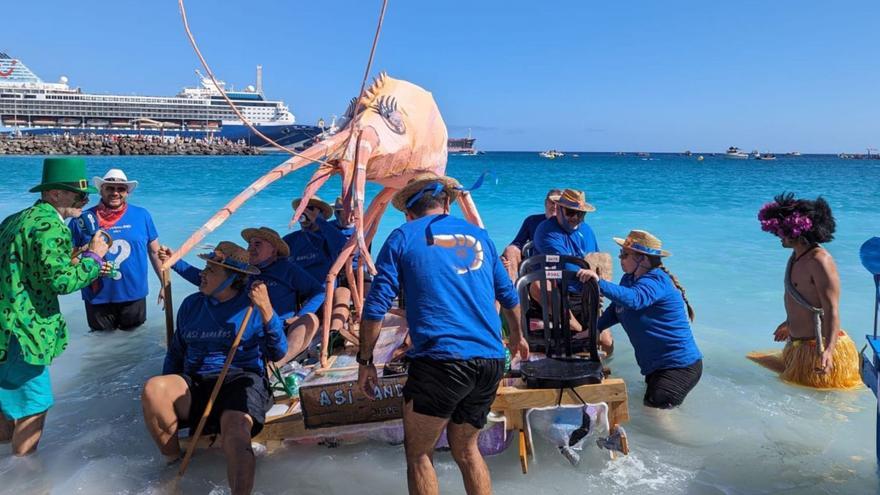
x: 740, y: 431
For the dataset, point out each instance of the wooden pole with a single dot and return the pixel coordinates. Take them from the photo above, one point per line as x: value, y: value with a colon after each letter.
x: 195, y: 439
x: 169, y: 306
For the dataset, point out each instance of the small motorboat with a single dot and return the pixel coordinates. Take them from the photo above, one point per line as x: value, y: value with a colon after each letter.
x: 765, y: 156
x: 736, y: 153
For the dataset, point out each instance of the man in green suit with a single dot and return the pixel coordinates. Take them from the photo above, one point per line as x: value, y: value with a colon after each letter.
x: 35, y: 267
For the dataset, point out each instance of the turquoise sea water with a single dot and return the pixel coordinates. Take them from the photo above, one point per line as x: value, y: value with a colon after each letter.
x: 740, y: 431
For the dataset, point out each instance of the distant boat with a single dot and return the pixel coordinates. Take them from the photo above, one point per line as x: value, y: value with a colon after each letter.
x: 700, y: 158
x: 462, y: 146
x: 765, y: 156
x: 736, y: 153
x: 688, y: 153
x: 552, y: 154
x: 643, y: 154
x: 795, y: 153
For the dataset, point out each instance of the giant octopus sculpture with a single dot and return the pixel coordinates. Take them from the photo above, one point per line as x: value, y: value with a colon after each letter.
x: 391, y: 134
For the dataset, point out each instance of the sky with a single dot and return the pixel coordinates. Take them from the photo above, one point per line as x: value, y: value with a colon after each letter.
x: 629, y: 75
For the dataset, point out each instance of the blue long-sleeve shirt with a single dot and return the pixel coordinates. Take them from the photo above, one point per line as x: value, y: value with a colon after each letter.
x: 551, y: 238
x: 206, y: 329
x: 451, y: 276
x: 315, y: 252
x: 285, y: 282
x: 653, y: 314
x: 527, y: 230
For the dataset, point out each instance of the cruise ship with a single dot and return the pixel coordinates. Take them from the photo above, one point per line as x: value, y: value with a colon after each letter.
x: 28, y: 105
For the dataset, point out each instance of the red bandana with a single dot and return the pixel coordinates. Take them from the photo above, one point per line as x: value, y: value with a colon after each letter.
x: 107, y: 217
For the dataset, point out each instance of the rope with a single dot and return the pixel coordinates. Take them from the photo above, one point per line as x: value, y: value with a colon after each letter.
x: 210, y: 72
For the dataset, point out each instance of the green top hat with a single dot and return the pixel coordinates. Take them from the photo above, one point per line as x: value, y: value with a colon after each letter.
x: 64, y: 173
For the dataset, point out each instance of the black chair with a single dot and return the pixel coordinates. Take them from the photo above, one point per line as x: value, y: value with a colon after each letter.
x: 550, y: 262
x: 560, y: 368
x: 528, y: 250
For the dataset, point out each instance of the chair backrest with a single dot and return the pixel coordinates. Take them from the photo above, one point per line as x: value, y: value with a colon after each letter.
x: 528, y: 250
x: 550, y: 262
x: 556, y: 337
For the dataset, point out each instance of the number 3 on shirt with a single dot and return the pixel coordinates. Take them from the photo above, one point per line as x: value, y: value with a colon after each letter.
x: 122, y: 249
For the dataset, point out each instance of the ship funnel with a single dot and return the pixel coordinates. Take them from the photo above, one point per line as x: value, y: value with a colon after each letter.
x: 260, y: 79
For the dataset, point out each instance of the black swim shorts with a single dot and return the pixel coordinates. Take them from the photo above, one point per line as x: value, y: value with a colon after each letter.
x: 123, y: 315
x: 243, y: 391
x: 462, y: 391
x: 668, y: 388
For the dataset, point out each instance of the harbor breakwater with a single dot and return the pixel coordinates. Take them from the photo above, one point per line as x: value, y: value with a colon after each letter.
x: 120, y: 145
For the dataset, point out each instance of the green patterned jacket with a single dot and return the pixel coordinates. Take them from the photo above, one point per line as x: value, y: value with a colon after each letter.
x: 35, y: 250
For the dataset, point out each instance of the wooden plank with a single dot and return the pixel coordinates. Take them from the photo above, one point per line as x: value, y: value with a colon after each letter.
x: 338, y: 404
x: 517, y: 397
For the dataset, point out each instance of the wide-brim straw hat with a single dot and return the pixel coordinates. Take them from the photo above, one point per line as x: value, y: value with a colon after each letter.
x: 315, y: 201
x: 115, y: 176
x: 270, y: 235
x: 643, y: 242
x: 574, y: 200
x: 420, y: 182
x: 231, y: 256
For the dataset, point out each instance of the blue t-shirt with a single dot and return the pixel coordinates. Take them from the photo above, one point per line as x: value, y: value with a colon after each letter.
x: 653, y: 314
x: 527, y: 230
x: 451, y: 276
x: 551, y: 238
x: 285, y: 282
x: 206, y: 329
x: 315, y: 252
x: 132, y: 235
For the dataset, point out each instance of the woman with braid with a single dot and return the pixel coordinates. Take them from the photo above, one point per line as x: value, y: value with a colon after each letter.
x: 652, y: 307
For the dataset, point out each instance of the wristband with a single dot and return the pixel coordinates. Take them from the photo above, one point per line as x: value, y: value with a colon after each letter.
x: 93, y: 255
x: 363, y: 362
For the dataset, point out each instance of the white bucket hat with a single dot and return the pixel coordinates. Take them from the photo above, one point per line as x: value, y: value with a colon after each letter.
x: 115, y: 176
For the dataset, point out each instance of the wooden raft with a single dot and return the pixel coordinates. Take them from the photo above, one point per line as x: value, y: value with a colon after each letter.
x: 333, y: 400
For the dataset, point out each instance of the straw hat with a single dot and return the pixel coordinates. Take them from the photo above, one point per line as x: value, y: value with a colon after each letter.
x: 270, y: 236
x: 643, y: 242
x: 420, y: 182
x: 317, y: 202
x: 231, y: 256
x: 574, y: 200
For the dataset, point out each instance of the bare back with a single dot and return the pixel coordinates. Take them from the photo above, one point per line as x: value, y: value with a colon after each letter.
x: 815, y: 277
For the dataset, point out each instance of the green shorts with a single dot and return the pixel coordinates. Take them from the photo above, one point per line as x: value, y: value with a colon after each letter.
x: 25, y: 388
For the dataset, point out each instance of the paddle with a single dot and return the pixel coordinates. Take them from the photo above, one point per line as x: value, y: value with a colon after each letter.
x: 169, y: 307
x: 195, y: 439
x: 870, y: 256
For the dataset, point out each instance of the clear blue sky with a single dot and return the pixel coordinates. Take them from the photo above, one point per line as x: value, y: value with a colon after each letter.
x: 775, y: 75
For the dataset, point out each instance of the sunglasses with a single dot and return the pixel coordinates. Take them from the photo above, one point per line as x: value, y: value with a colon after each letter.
x: 80, y: 197
x: 573, y: 213
x: 115, y: 188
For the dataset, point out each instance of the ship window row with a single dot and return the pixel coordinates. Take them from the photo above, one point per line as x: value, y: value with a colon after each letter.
x: 112, y: 106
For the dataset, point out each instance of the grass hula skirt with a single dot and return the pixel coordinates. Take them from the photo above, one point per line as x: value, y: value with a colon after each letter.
x: 798, y: 361
x: 801, y: 360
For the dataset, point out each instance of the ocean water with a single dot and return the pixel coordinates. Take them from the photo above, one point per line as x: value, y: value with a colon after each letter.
x: 740, y: 431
